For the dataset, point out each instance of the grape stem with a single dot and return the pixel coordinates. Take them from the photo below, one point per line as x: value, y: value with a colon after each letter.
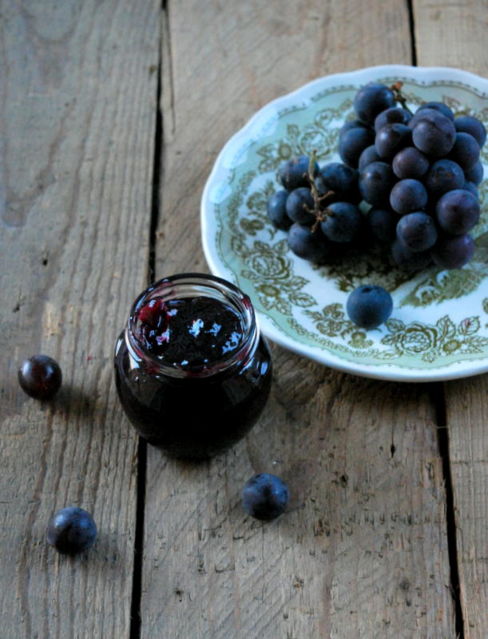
x: 399, y: 97
x: 318, y: 199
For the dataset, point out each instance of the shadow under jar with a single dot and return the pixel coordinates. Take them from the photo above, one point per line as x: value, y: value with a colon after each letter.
x: 192, y: 370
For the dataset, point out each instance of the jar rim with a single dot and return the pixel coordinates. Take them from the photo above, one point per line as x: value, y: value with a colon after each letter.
x: 204, y: 283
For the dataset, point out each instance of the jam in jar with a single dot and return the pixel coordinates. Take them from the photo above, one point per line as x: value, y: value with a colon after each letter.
x: 192, y: 371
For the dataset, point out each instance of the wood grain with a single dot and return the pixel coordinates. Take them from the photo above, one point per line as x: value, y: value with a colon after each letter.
x: 363, y: 550
x: 77, y: 112
x: 453, y: 34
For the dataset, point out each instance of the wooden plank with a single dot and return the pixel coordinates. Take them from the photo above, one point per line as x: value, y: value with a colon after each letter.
x: 362, y: 552
x: 77, y: 111
x: 452, y: 34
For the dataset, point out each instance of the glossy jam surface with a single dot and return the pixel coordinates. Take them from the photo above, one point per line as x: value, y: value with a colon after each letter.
x: 189, y: 333
x: 187, y: 413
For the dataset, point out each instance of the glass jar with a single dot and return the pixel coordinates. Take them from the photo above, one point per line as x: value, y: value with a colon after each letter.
x: 192, y: 371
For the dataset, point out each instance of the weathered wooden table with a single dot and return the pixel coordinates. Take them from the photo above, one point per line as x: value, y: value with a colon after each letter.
x: 112, y: 114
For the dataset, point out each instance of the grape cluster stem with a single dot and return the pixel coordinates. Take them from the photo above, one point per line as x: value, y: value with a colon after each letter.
x: 399, y: 97
x: 320, y: 215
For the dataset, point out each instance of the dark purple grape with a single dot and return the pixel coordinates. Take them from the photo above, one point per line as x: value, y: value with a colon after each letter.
x: 71, y: 530
x: 294, y: 173
x: 382, y: 224
x: 410, y: 163
x: 438, y: 106
x: 353, y: 124
x: 453, y: 252
x: 265, y: 497
x: 466, y: 151
x: 371, y: 100
x: 370, y: 154
x: 352, y: 143
x: 300, y: 206
x: 40, y: 377
x: 472, y: 188
x: 407, y: 196
x: 391, y: 115
x: 310, y: 245
x: 434, y: 134
x: 343, y: 222
x: 407, y: 260
x: 417, y: 231
x: 375, y: 182
x: 420, y: 114
x: 276, y: 209
x: 368, y: 306
x: 391, y: 138
x: 458, y: 212
x: 471, y: 125
x: 341, y: 179
x: 444, y: 175
x: 475, y: 173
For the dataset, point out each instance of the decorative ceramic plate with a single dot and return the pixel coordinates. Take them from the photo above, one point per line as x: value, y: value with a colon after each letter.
x: 439, y: 326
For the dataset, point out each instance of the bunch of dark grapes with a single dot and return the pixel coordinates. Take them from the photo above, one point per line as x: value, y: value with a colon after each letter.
x: 408, y: 183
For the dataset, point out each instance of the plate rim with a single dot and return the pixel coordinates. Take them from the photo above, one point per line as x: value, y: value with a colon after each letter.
x: 383, y: 371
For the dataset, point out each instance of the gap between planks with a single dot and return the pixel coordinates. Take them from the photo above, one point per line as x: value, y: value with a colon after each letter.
x: 439, y: 403
x: 136, y: 621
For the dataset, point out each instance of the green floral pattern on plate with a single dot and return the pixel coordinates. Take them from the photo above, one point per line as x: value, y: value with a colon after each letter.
x: 431, y: 326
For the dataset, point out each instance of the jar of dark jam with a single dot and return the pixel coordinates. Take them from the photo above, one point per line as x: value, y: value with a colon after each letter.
x: 192, y: 371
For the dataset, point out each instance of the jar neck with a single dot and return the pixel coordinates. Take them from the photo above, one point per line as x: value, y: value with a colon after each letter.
x: 191, y: 285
